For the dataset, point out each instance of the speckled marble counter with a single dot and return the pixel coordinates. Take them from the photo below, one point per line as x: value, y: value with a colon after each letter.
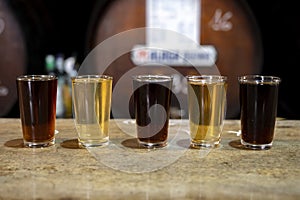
x: 124, y: 171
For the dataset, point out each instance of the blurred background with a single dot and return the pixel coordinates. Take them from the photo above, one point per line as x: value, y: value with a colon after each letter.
x: 36, y: 34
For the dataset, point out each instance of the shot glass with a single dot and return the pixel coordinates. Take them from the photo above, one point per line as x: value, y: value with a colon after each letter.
x: 152, y: 98
x: 207, y: 109
x: 37, y: 104
x: 91, y: 97
x: 258, y: 106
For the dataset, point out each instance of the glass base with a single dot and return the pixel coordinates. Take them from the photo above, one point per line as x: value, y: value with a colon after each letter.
x: 91, y: 143
x: 39, y: 144
x: 152, y: 145
x: 256, y: 146
x: 195, y: 145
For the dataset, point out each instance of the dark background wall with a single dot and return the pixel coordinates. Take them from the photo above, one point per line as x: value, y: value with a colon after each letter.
x: 60, y: 26
x: 54, y: 26
x: 279, y: 23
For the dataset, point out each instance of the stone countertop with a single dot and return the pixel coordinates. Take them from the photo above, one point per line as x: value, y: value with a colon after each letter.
x: 122, y: 170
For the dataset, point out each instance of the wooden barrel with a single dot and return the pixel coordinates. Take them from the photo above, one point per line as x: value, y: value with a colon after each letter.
x: 13, y: 57
x: 20, y: 42
x: 227, y: 25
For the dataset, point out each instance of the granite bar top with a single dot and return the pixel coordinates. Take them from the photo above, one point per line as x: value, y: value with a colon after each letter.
x: 122, y: 170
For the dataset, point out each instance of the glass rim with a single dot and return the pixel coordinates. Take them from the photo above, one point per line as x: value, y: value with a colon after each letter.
x: 36, y: 77
x: 259, y: 79
x: 206, y: 78
x: 91, y: 76
x: 152, y: 77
